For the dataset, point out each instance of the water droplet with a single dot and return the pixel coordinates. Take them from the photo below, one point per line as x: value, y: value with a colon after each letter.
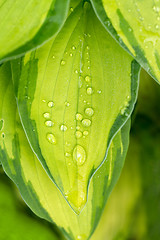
x: 49, y: 123
x: 79, y: 155
x: 81, y: 237
x: 99, y: 91
x: 63, y: 62
x: 1, y: 124
x: 85, y: 133
x: 53, y: 57
x: 71, y: 54
x: 71, y: 9
x: 67, y: 154
x: 67, y: 144
x: 51, y: 138
x: 86, y: 122
x: 89, y: 112
x: 89, y: 91
x: 87, y: 47
x: 80, y: 82
x: 73, y: 48
x: 50, y: 104
x: 89, y: 35
x: 78, y: 127
x: 79, y: 117
x: 78, y: 134
x: 87, y: 79
x: 63, y: 128
x: 157, y: 26
x: 3, y: 135
x: 76, y: 71
x: 67, y: 104
x: 46, y: 115
x: 130, y: 29
x: 43, y: 100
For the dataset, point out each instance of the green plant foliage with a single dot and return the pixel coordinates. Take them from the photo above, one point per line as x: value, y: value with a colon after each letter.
x: 25, y: 24
x: 17, y: 218
x: 38, y: 191
x: 72, y: 98
x: 136, y: 26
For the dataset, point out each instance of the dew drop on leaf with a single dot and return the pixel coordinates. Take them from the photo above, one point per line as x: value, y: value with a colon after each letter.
x: 78, y: 134
x: 49, y: 123
x: 46, y: 115
x: 63, y: 62
x: 79, y: 117
x: 50, y: 104
x: 85, y: 133
x: 89, y: 112
x: 87, y: 79
x: 79, y: 155
x: 86, y: 122
x: 63, y: 128
x: 89, y: 91
x: 51, y: 138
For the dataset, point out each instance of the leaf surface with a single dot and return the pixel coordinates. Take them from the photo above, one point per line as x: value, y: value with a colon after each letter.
x: 74, y: 94
x: 37, y: 189
x: 25, y: 24
x: 136, y: 26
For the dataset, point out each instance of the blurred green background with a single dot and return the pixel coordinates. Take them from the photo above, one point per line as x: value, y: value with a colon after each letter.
x: 133, y: 209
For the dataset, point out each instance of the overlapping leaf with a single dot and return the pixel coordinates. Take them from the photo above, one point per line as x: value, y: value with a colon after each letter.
x: 136, y: 25
x: 37, y: 189
x: 26, y: 24
x: 73, y: 94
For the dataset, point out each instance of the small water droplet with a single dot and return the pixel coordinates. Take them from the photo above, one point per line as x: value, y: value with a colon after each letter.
x: 71, y: 9
x: 87, y: 47
x: 99, y: 91
x: 157, y: 26
x: 63, y: 128
x: 78, y: 127
x: 43, y: 100
x: 73, y: 48
x: 3, y: 135
x: 71, y: 54
x: 51, y: 138
x: 49, y: 123
x: 78, y: 134
x: 53, y: 57
x: 89, y: 35
x: 79, y: 155
x: 79, y: 117
x: 89, y: 91
x: 46, y: 115
x: 67, y: 144
x: 1, y: 124
x: 50, y: 104
x: 85, y: 133
x: 67, y: 104
x: 67, y: 154
x: 80, y: 82
x: 87, y: 79
x: 86, y: 122
x: 76, y: 71
x: 89, y: 112
x: 63, y: 62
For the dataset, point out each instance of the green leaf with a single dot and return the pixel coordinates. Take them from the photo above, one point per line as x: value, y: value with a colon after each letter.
x: 27, y: 24
x: 17, y: 218
x: 136, y: 26
x: 74, y: 94
x: 37, y: 189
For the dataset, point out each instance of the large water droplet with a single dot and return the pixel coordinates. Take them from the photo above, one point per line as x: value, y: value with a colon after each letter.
x: 86, y: 122
x: 63, y: 128
x: 89, y: 112
x: 78, y: 134
x: 79, y: 117
x: 49, y: 123
x: 50, y: 104
x: 89, y: 91
x: 51, y: 138
x: 46, y: 115
x: 79, y: 155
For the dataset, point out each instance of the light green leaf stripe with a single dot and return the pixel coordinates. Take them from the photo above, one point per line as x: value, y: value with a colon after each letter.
x: 136, y: 26
x: 36, y: 188
x: 74, y: 94
x: 26, y: 24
